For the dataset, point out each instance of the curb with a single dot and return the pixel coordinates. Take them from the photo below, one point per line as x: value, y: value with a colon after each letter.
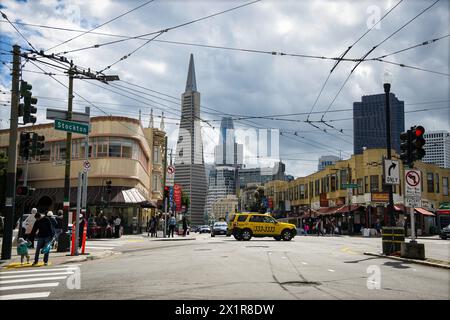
x: 422, y: 262
x: 102, y: 255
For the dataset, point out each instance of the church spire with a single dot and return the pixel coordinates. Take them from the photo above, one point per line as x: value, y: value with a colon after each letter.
x: 191, y: 84
x: 150, y: 124
x: 161, y: 126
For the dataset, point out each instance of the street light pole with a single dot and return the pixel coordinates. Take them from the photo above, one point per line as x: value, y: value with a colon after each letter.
x: 387, y: 89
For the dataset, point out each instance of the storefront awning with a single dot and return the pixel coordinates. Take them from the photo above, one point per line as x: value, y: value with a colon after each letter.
x: 400, y: 207
x: 424, y: 212
x: 348, y: 208
x: 132, y: 195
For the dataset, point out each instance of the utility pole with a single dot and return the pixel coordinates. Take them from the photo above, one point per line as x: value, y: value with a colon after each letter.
x: 387, y: 88
x: 164, y: 186
x: 64, y: 239
x: 85, y: 180
x: 12, y: 157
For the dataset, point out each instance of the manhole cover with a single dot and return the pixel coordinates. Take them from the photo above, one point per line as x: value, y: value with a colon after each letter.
x: 300, y: 283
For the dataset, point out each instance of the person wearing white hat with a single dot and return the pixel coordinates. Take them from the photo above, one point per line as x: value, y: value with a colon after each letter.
x: 52, y: 218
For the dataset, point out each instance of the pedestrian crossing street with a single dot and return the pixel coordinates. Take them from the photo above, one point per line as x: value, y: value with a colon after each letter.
x: 37, y: 283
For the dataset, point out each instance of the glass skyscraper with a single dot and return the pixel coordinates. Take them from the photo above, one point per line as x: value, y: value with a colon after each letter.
x: 369, y: 122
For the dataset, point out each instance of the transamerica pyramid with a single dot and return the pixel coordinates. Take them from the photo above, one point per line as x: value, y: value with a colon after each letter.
x: 189, y: 163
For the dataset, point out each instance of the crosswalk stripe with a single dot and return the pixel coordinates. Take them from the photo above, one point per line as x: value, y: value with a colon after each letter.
x: 32, y: 280
x: 36, y: 275
x: 36, y: 270
x: 31, y: 286
x: 18, y: 296
x: 99, y: 248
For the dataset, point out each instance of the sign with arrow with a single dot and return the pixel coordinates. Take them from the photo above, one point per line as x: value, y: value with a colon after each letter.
x: 413, y: 192
x: 391, y: 172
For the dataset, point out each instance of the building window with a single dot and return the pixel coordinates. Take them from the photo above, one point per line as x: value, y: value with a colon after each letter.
x: 437, y: 182
x: 333, y: 183
x: 317, y: 187
x: 114, y: 148
x: 360, y: 186
x: 343, y: 178
x: 155, y: 183
x: 102, y: 147
x: 127, y: 149
x: 156, y: 157
x: 374, y: 184
x: 366, y: 184
x: 430, y: 182
x: 445, y: 186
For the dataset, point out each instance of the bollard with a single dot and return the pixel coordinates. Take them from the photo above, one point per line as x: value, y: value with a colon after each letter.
x: 83, y: 243
x: 72, y: 251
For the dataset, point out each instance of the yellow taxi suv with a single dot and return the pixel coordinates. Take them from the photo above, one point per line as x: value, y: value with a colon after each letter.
x: 244, y: 226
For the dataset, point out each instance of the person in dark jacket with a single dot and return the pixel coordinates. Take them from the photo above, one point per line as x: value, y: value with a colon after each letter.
x: 45, y: 233
x: 184, y: 226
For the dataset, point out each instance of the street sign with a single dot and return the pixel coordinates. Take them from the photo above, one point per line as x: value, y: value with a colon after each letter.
x: 391, y: 172
x: 350, y: 186
x: 71, y: 126
x: 170, y: 169
x: 86, y: 165
x: 53, y: 114
x: 379, y: 196
x: 413, y: 193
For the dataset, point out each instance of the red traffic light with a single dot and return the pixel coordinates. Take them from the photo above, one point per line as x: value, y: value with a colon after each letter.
x: 22, y: 191
x: 419, y: 131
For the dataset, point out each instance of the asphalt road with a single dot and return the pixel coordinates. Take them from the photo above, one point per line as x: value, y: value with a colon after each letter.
x: 223, y: 268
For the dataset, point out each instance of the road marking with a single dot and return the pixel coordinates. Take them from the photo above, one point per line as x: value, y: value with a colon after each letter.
x: 32, y: 279
x: 31, y: 286
x: 37, y: 270
x: 36, y: 275
x: 25, y: 296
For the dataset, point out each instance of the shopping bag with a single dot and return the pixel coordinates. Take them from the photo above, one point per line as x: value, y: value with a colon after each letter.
x: 48, y: 247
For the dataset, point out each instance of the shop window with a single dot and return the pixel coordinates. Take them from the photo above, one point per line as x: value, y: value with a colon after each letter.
x: 430, y: 182
x: 445, y: 186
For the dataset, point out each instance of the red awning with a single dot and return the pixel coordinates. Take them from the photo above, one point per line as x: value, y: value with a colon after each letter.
x: 443, y: 211
x: 424, y: 212
x: 348, y: 208
x: 399, y: 207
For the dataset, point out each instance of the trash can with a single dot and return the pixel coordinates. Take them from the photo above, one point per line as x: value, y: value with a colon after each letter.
x: 392, y: 238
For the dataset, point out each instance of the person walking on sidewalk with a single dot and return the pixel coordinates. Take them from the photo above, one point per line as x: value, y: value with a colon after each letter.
x: 45, y: 233
x: 172, y: 224
x: 117, y: 223
x: 184, y: 226
x: 29, y: 223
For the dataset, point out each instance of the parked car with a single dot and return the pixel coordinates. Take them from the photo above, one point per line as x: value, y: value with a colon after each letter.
x: 445, y: 232
x: 194, y: 228
x: 205, y: 229
x: 248, y: 225
x: 219, y: 228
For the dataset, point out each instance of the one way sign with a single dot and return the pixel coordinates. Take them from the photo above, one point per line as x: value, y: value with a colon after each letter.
x: 391, y: 172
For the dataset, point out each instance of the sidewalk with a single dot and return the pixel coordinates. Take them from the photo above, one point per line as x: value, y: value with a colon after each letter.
x: 55, y: 258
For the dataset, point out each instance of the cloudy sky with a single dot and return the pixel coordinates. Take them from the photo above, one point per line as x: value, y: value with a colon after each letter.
x: 237, y: 83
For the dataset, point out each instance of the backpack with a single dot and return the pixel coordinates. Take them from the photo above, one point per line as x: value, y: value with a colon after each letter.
x: 22, y: 249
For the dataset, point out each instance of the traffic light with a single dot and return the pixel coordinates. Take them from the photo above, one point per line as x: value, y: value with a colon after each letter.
x: 25, y: 145
x: 405, y: 148
x: 417, y: 143
x: 24, y: 191
x: 28, y: 106
x: 108, y: 186
x: 37, y: 145
x: 166, y: 192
